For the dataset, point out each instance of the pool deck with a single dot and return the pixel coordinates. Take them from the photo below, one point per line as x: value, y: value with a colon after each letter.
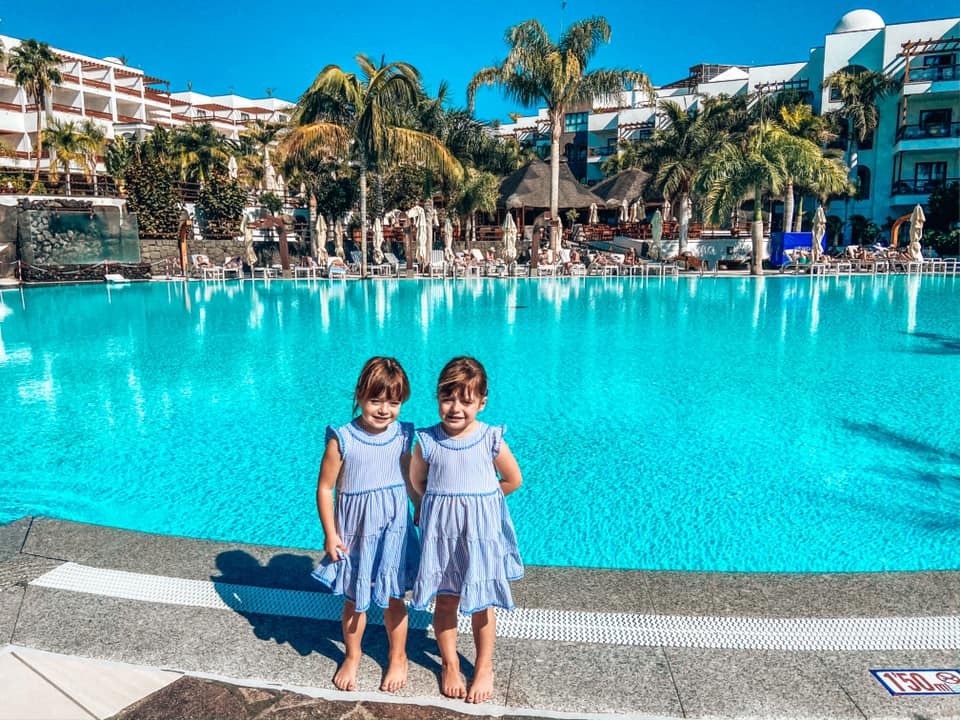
x: 98, y: 622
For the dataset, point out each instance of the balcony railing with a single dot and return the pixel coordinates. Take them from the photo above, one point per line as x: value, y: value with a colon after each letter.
x: 99, y: 114
x: 930, y: 130
x: 913, y: 186
x: 16, y: 107
x: 73, y: 110
x: 932, y: 73
x: 602, y: 151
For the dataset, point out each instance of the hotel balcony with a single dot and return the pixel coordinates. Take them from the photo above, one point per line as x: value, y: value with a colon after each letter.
x: 919, y: 188
x: 932, y: 136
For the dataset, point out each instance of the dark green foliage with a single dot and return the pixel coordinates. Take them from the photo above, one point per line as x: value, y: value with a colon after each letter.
x: 336, y: 194
x: 863, y: 231
x: 271, y: 202
x: 943, y: 211
x: 151, y: 196
x: 220, y: 206
x: 403, y: 186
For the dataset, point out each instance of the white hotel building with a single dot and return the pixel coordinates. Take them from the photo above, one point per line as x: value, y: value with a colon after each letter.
x: 121, y: 99
x: 915, y: 147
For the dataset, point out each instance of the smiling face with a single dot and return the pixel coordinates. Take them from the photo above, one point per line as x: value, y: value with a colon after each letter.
x: 376, y: 414
x: 458, y: 411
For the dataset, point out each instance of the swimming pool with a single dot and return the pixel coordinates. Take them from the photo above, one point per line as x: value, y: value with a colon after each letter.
x: 784, y: 424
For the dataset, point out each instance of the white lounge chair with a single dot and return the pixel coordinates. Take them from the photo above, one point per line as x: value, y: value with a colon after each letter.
x: 393, y: 263
x: 437, y: 264
x: 336, y: 268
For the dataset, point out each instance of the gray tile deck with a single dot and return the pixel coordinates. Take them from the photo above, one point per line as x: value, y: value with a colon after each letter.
x: 12, y: 536
x: 539, y: 674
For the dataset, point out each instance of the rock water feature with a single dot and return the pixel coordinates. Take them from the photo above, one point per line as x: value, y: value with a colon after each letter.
x: 75, y: 232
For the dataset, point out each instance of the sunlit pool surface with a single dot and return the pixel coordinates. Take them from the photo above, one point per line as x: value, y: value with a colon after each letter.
x: 785, y: 424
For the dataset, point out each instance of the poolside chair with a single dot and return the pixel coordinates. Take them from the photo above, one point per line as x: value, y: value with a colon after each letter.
x: 336, y: 268
x: 202, y: 266
x: 437, y: 264
x: 392, y: 262
x: 356, y: 262
x: 308, y: 268
x: 233, y: 266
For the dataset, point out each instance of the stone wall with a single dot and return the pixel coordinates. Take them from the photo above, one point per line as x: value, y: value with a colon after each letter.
x: 63, y: 231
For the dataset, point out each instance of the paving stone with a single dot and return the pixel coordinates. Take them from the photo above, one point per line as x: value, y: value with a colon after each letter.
x: 711, y: 594
x: 71, y: 541
x: 10, y: 601
x: 190, y: 698
x: 27, y: 696
x: 574, y: 677
x: 21, y: 569
x: 757, y: 684
x: 12, y: 536
x: 584, y: 589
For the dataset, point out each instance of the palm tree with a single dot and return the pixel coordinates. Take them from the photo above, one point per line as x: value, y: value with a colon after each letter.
x: 477, y: 193
x: 201, y: 150
x: 357, y: 117
x: 537, y: 70
x: 798, y: 119
x: 747, y: 164
x: 93, y: 140
x: 67, y: 146
x: 676, y: 153
x: 256, y: 139
x: 35, y: 68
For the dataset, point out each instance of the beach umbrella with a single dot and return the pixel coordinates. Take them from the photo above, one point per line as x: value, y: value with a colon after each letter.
x: 509, y: 238
x: 419, y: 218
x: 378, y: 241
x: 593, y: 219
x: 232, y: 168
x: 249, y: 254
x: 448, y: 240
x: 338, y: 239
x: 269, y: 173
x: 656, y: 233
x: 667, y: 211
x: 281, y: 186
x: 819, y: 230
x: 624, y: 211
x: 321, y: 228
x: 917, y: 219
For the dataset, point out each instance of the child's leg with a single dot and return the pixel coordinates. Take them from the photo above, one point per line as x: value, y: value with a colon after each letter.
x: 445, y: 627
x: 484, y: 637
x: 354, y: 624
x: 395, y: 620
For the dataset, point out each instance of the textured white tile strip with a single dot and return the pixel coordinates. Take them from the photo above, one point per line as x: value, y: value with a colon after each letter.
x: 884, y: 633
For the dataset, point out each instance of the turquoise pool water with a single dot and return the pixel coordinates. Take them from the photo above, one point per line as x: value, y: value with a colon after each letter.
x: 785, y: 424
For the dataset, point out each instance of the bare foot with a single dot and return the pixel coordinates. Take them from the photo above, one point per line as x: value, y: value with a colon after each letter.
x: 481, y: 689
x: 346, y: 677
x: 396, y: 676
x: 451, y: 681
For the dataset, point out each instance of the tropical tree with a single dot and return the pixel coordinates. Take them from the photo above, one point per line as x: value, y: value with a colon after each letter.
x: 859, y: 92
x: 256, y: 140
x: 807, y: 170
x: 357, y: 118
x: 676, y: 153
x: 750, y: 163
x: 477, y: 193
x: 35, y: 68
x: 94, y: 140
x: 537, y: 70
x: 201, y: 151
x: 67, y: 146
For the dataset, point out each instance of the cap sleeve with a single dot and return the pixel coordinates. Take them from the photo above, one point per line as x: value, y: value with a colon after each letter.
x: 406, y: 431
x: 496, y: 438
x: 333, y: 432
x: 426, y: 442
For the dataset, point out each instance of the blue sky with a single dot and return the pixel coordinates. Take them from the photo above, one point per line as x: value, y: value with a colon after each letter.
x: 249, y: 46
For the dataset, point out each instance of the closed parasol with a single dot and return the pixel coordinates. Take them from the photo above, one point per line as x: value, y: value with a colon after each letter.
x: 338, y: 239
x: 378, y: 241
x: 819, y: 230
x: 448, y: 240
x: 917, y: 219
x: 624, y: 211
x: 249, y: 255
x: 593, y: 219
x: 509, y: 238
x: 421, y: 238
x: 656, y: 233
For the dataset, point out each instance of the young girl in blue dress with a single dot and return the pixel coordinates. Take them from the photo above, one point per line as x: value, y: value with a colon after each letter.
x: 370, y: 542
x: 461, y: 470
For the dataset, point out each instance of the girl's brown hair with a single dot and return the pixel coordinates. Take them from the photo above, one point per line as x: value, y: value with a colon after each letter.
x: 381, y: 377
x: 463, y: 377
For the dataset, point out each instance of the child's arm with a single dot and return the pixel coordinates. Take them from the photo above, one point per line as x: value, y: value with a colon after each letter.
x: 418, y: 480
x: 329, y: 471
x: 506, y: 464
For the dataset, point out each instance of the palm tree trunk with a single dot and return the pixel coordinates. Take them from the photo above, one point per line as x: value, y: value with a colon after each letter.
x: 314, y: 240
x: 756, y: 266
x: 36, y: 170
x: 684, y: 220
x: 363, y: 219
x: 788, y: 206
x: 556, y: 117
x: 799, y: 222
x: 284, y: 247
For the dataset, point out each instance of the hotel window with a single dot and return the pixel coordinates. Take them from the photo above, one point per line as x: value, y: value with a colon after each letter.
x: 935, y: 122
x: 244, y: 116
x: 938, y: 60
x: 863, y: 183
x: 575, y: 122
x: 929, y: 175
x: 201, y: 113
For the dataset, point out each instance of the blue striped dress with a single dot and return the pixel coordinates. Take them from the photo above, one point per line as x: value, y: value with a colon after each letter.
x: 373, y: 518
x: 469, y: 544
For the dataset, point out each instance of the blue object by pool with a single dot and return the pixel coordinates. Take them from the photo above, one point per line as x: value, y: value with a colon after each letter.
x: 786, y: 424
